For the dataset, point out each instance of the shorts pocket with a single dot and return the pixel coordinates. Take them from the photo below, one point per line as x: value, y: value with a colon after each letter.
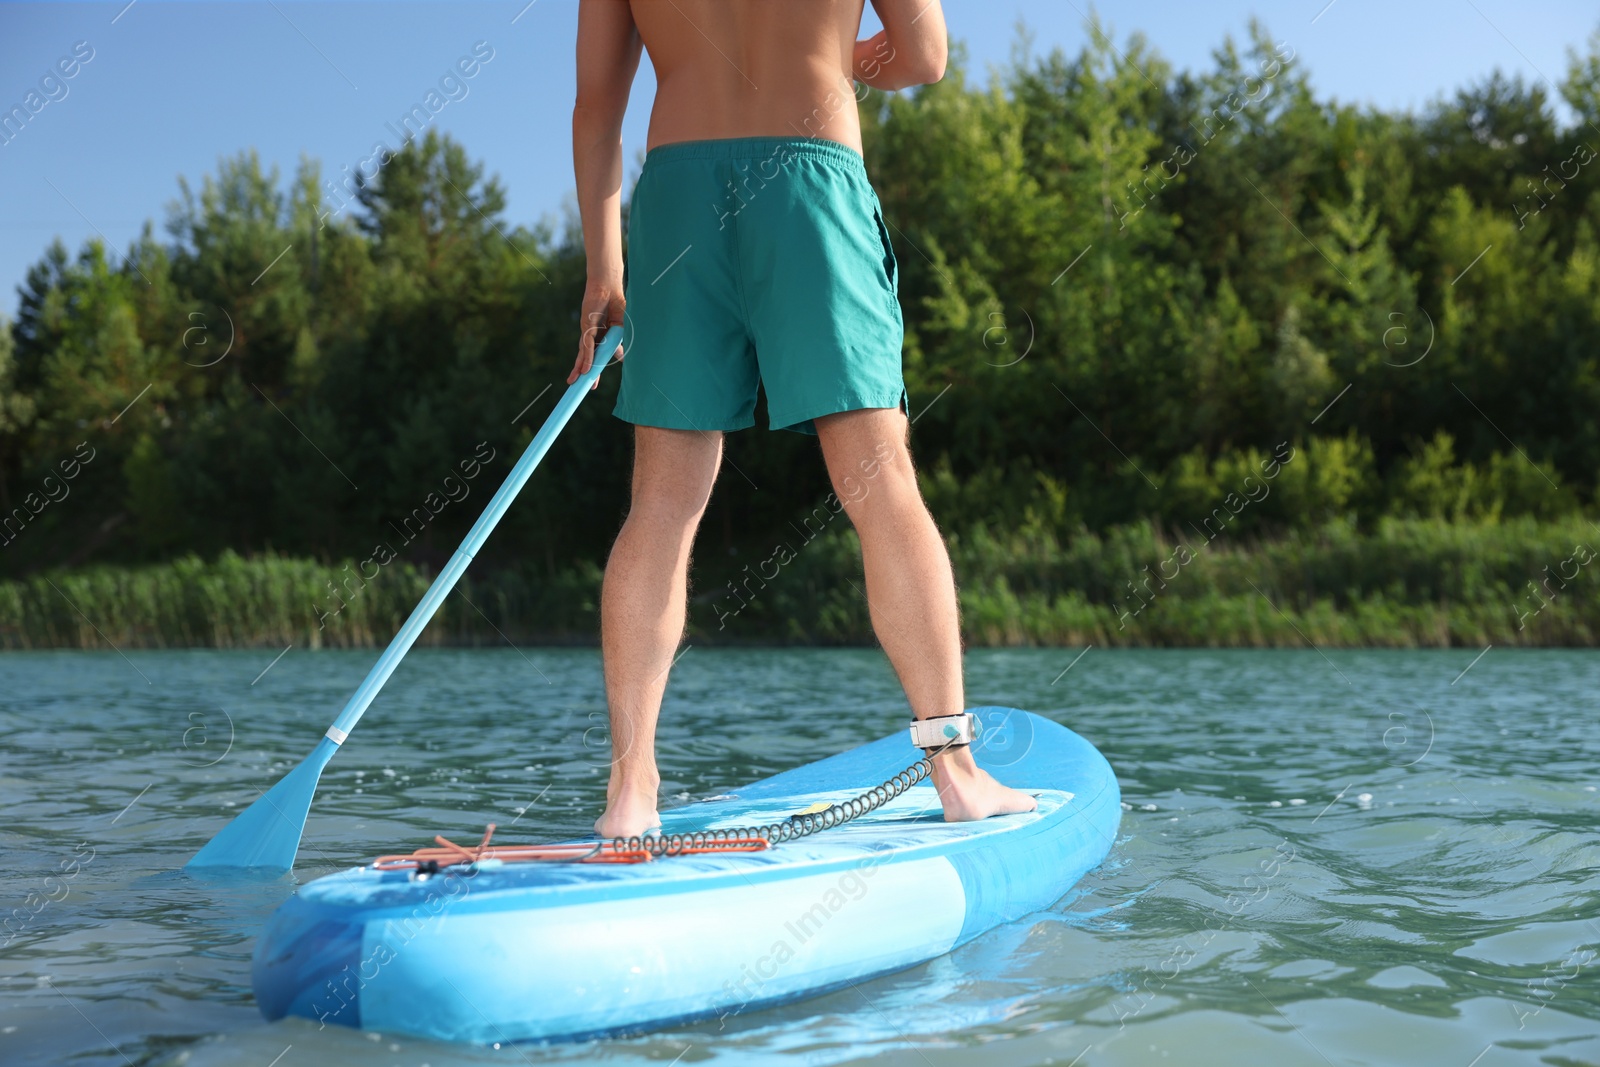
x: 630, y: 229
x: 891, y: 272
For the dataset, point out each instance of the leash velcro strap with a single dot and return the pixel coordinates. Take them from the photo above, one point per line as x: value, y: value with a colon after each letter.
x: 946, y: 731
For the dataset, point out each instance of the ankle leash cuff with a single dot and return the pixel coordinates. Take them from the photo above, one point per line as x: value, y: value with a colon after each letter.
x: 945, y: 731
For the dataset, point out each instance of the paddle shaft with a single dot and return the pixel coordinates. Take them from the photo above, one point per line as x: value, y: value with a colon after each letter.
x: 446, y: 581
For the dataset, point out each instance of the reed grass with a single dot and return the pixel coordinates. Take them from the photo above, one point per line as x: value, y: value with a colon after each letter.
x: 1406, y: 583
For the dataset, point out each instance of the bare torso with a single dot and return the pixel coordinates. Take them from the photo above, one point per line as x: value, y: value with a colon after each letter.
x: 751, y: 68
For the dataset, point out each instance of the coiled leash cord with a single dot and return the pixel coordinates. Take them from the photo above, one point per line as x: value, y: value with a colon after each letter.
x: 793, y: 828
x: 955, y: 730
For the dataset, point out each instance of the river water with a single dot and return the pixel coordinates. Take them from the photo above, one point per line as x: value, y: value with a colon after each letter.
x: 1380, y: 857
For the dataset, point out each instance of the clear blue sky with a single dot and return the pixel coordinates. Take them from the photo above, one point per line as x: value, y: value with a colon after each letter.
x: 172, y: 87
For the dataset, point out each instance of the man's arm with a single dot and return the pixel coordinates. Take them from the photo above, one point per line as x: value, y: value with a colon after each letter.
x: 608, y: 57
x: 911, y: 49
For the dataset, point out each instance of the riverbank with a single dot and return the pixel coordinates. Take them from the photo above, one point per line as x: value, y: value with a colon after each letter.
x: 1405, y: 584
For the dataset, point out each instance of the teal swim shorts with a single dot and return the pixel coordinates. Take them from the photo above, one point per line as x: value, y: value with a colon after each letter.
x: 757, y: 261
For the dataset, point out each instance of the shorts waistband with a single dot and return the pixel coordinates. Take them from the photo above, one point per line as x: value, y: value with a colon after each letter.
x: 757, y: 148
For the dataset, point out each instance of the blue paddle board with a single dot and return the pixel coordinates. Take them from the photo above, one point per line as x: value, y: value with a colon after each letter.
x: 547, y: 951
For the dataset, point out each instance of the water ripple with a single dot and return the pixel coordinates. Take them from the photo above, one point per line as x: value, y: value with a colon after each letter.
x: 1321, y: 863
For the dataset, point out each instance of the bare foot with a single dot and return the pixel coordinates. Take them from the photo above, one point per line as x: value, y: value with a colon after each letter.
x: 630, y: 811
x: 970, y: 793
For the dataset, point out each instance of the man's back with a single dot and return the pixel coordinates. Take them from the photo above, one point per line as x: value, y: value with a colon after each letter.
x: 777, y: 68
x: 750, y: 68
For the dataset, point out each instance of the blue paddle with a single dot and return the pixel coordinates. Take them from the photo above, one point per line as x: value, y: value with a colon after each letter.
x: 266, y: 835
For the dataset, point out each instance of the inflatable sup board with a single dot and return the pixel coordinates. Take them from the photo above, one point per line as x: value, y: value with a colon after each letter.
x: 496, y: 952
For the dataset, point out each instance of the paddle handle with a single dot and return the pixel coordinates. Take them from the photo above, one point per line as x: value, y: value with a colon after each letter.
x: 446, y: 581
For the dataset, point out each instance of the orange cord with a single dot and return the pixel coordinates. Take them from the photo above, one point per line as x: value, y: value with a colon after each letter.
x: 450, y: 854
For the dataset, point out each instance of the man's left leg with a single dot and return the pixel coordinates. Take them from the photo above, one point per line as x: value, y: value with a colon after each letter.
x: 643, y: 607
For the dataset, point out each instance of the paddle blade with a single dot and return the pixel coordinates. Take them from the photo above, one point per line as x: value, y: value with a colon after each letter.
x: 266, y: 835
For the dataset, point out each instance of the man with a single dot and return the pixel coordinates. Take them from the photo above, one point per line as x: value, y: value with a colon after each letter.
x: 758, y: 252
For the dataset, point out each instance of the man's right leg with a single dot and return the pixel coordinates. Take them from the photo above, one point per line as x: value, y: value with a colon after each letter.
x: 911, y: 592
x: 643, y: 609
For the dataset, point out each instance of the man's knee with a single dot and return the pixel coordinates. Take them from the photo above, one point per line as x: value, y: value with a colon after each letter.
x: 667, y: 505
x: 877, y: 474
x: 673, y: 474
